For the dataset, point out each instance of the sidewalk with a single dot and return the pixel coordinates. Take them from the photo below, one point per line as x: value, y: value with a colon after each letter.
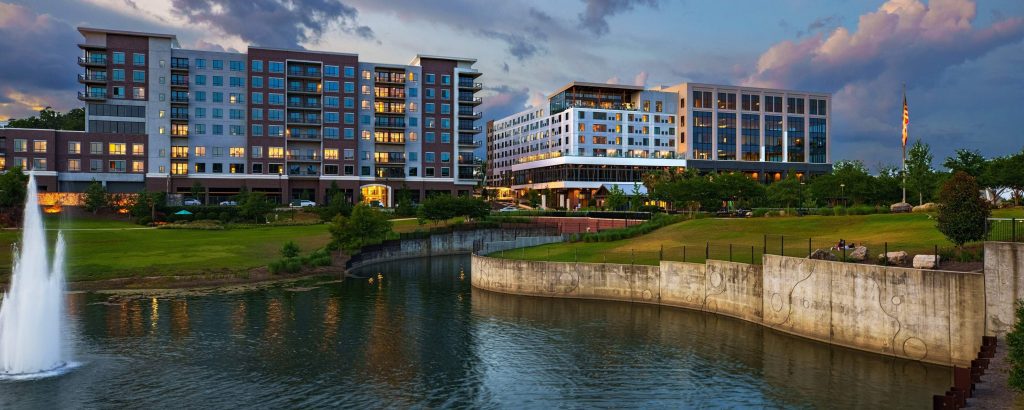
x: 994, y: 391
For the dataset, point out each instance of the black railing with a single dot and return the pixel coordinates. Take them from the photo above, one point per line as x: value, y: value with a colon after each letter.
x: 1005, y: 230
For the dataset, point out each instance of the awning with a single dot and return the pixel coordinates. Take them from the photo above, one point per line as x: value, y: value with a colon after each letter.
x: 183, y: 212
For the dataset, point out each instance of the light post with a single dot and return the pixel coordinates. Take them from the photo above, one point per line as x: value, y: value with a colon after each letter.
x: 842, y: 192
x: 280, y: 183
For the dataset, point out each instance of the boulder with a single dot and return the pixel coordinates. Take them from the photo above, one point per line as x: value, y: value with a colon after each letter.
x: 926, y: 261
x: 895, y: 258
x: 822, y: 254
x: 928, y: 207
x: 901, y: 207
x: 858, y: 254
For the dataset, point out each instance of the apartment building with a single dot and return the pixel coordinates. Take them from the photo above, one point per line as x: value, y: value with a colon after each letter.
x: 591, y: 136
x: 290, y: 123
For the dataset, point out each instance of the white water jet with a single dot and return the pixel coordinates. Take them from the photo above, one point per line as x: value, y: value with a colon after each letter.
x: 32, y: 326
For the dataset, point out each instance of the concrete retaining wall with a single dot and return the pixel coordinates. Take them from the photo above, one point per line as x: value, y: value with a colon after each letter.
x: 520, y: 242
x: 931, y: 316
x: 1004, y: 284
x: 452, y: 243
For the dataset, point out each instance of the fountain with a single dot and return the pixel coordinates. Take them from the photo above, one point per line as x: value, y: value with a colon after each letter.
x: 32, y: 322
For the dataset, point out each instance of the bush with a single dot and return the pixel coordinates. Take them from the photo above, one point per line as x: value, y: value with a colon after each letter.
x: 290, y: 250
x: 963, y: 214
x: 608, y: 235
x: 1015, y: 354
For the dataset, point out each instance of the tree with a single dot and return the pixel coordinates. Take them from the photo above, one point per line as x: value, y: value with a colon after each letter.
x: 338, y: 204
x: 365, y: 226
x: 920, y: 176
x: 616, y: 199
x: 95, y: 197
x: 404, y: 207
x: 848, y: 183
x: 532, y: 197
x: 197, y: 191
x: 73, y: 120
x: 968, y: 161
x: 253, y: 205
x: 739, y: 188
x: 962, y: 212
x: 638, y: 199
x: 1007, y: 173
x: 289, y: 250
x: 786, y: 192
x: 13, y: 189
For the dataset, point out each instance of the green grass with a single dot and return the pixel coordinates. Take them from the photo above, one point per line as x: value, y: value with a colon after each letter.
x: 914, y: 233
x: 103, y: 254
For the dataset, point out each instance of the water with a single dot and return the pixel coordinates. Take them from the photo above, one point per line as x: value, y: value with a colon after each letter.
x: 32, y: 317
x: 423, y: 337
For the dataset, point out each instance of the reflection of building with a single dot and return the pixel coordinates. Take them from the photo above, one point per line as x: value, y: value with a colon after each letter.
x: 590, y: 135
x: 289, y: 123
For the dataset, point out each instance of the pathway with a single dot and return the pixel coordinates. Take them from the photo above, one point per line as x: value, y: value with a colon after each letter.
x: 994, y: 391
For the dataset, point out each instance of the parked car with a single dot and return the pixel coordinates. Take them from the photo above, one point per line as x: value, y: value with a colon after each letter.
x: 301, y: 203
x: 228, y: 203
x: 192, y: 202
x: 509, y: 208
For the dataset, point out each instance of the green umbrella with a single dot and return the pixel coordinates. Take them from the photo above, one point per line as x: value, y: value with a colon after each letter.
x: 183, y: 212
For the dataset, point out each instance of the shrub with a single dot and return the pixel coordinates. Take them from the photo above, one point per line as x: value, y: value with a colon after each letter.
x: 963, y: 213
x: 1015, y: 354
x: 290, y: 250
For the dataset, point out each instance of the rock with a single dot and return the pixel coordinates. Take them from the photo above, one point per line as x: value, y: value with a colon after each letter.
x: 895, y: 258
x: 926, y: 261
x: 822, y: 254
x: 859, y: 254
x: 928, y: 207
x: 901, y: 207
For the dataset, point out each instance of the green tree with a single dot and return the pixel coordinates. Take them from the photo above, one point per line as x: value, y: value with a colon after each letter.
x: 616, y: 199
x: 197, y: 191
x: 848, y: 183
x: 364, y: 227
x: 920, y: 175
x: 73, y: 120
x: 744, y: 191
x: 338, y: 204
x: 962, y: 212
x: 532, y: 198
x: 404, y: 207
x: 968, y: 161
x: 887, y: 185
x: 13, y: 189
x: 1015, y: 352
x: 253, y: 205
x: 1006, y: 172
x: 95, y: 197
x: 637, y: 199
x: 786, y: 193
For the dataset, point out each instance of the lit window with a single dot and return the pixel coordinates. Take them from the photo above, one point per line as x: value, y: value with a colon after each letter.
x: 275, y: 152
x: 330, y: 153
x: 74, y: 147
x: 74, y: 165
x: 138, y: 166
x: 117, y: 148
x: 236, y: 152
x: 39, y: 146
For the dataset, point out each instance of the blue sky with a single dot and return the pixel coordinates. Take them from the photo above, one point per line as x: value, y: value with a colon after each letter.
x: 960, y: 59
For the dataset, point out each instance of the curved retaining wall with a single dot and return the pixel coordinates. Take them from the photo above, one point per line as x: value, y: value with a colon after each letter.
x: 454, y: 243
x: 931, y: 316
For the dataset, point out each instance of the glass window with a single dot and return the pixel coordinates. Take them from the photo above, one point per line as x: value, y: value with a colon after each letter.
x: 201, y: 63
x: 39, y: 146
x: 350, y: 71
x: 330, y: 71
x: 256, y: 130
x: 446, y: 79
x: 218, y: 81
x: 74, y: 165
x: 275, y: 67
x: 257, y: 66
x: 139, y: 76
x: 217, y: 64
x: 138, y: 59
x: 236, y: 65
x: 119, y: 58
x: 74, y: 147
x: 138, y: 149
x: 117, y: 74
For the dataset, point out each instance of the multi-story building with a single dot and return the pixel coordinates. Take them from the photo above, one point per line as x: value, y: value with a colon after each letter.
x: 592, y: 135
x: 290, y: 123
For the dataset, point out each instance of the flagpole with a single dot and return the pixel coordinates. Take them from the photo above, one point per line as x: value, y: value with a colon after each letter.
x: 904, y: 141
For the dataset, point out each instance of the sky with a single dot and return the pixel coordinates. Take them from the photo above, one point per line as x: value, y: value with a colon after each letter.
x: 961, y: 60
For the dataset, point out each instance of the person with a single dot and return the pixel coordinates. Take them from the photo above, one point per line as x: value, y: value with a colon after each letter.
x: 840, y: 245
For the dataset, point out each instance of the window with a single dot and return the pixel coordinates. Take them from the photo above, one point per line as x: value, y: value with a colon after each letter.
x: 429, y: 78
x: 217, y: 97
x: 817, y: 107
x: 257, y: 98
x: 350, y: 87
x: 139, y: 93
x: 38, y: 164
x: 138, y: 149
x: 275, y: 115
x: 331, y: 86
x: 217, y: 64
x: 330, y: 71
x: 200, y: 96
x: 119, y: 59
x: 331, y: 117
x: 796, y: 105
x: 218, y: 168
x: 349, y: 102
x: 428, y: 157
x: 446, y: 172
x: 726, y: 101
x: 74, y: 147
x: 235, y: 114
x: 20, y: 145
x: 350, y: 118
x: 117, y: 148
x: 772, y: 104
x: 235, y: 130
x: 350, y: 71
x: 257, y: 151
x: 350, y: 154
x: 256, y: 130
x: 413, y: 92
x: 446, y: 137
x: 117, y: 74
x: 350, y: 133
x: 95, y: 165
x: 428, y: 93
x: 331, y: 133
x: 275, y: 152
x: 257, y: 66
x: 257, y: 168
x: 236, y: 82
x: 446, y: 108
x: 138, y: 166
x: 257, y: 114
x: 117, y: 165
x: 275, y: 99
x: 95, y: 148
x: 74, y: 165
x: 138, y: 76
x: 236, y: 152
x: 446, y: 79
x: 275, y: 82
x: 118, y: 92
x: 39, y: 146
x: 200, y: 79
x: 275, y: 67
x: 428, y: 172
x: 275, y: 131
x: 201, y: 63
x: 446, y: 94
x: 446, y: 157
x: 218, y: 129
x: 235, y: 65
x: 331, y: 153
x: 218, y: 113
x: 138, y: 59
x: 702, y: 99
x: 751, y: 102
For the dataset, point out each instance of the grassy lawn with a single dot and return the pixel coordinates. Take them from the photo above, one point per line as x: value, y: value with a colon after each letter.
x: 403, y: 225
x: 117, y: 252
x: 914, y: 233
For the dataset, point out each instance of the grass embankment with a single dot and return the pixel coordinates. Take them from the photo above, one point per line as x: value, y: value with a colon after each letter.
x: 104, y: 249
x: 913, y: 233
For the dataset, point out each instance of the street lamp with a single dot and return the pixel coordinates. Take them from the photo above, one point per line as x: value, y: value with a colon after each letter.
x: 280, y: 182
x: 842, y: 192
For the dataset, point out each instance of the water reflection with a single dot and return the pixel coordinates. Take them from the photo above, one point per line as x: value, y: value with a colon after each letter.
x: 421, y: 337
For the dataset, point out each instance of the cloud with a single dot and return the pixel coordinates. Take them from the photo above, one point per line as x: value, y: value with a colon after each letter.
x: 37, y: 63
x: 819, y: 24
x: 519, y: 46
x: 274, y: 23
x: 594, y: 17
x: 903, y: 41
x: 640, y: 79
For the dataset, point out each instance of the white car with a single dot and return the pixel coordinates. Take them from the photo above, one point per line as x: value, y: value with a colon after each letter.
x: 509, y: 209
x: 302, y: 203
x: 228, y: 203
x: 192, y: 202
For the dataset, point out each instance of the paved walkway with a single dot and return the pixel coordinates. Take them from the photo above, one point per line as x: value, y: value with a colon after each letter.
x: 994, y: 391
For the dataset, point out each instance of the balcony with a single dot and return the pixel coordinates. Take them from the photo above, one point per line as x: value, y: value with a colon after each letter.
x: 304, y: 136
x: 470, y: 100
x: 179, y: 83
x: 304, y: 120
x: 389, y: 78
x: 93, y: 78
x: 308, y: 89
x: 179, y: 64
x: 390, y: 123
x: 473, y: 130
x: 303, y: 158
x: 92, y: 95
x: 470, y: 115
x: 307, y: 73
x: 384, y: 158
x: 179, y: 116
x: 179, y: 99
x: 390, y: 96
x: 469, y: 85
x: 468, y: 141
x: 304, y: 105
x: 390, y: 172
x: 93, y: 61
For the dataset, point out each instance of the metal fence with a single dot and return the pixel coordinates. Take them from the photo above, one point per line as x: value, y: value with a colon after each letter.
x: 1005, y: 230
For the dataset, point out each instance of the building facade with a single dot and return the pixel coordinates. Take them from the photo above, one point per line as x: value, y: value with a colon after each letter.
x: 290, y: 123
x: 592, y: 135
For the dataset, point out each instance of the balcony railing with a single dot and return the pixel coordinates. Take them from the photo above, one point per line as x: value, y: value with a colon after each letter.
x: 96, y: 77
x: 179, y: 82
x: 391, y: 95
x: 180, y: 134
x: 304, y: 120
x: 470, y: 129
x: 179, y: 116
x: 301, y: 157
x: 309, y: 136
x: 92, y: 95
x: 470, y: 100
x: 467, y: 140
x: 294, y: 72
x: 309, y: 105
x: 390, y: 78
x: 311, y: 88
x: 470, y: 114
x: 179, y: 98
x: 93, y: 60
x: 470, y: 85
x: 389, y: 123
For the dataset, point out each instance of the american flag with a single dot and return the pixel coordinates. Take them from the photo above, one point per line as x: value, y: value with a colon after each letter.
x: 906, y: 119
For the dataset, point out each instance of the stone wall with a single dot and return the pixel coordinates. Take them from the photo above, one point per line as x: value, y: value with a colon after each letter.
x: 932, y: 316
x: 451, y: 243
x: 1004, y: 282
